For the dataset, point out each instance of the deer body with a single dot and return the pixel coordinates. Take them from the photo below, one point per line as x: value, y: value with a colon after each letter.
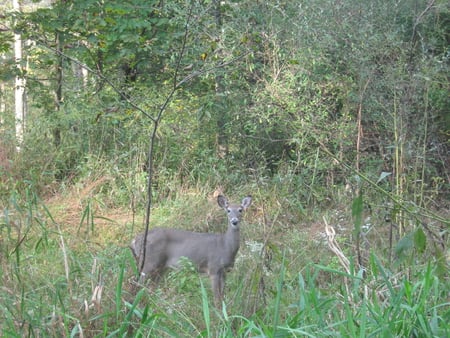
x: 213, y: 254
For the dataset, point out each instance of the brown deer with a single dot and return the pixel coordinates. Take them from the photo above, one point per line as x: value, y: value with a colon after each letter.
x: 213, y: 254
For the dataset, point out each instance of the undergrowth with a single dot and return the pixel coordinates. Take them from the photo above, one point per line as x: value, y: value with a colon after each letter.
x: 74, y: 276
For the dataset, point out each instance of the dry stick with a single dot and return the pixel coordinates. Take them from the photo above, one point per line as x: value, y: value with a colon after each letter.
x: 334, y: 246
x: 66, y: 261
x: 360, y: 129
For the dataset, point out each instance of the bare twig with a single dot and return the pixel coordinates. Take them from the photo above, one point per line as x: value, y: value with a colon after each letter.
x: 359, y: 122
x: 156, y: 122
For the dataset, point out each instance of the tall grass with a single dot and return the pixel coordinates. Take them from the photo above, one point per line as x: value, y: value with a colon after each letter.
x: 55, y: 282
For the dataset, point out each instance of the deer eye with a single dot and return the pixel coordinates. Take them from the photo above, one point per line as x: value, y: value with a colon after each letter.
x: 228, y: 210
x: 240, y: 209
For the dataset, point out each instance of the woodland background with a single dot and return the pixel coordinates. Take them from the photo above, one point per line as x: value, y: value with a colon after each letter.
x: 334, y: 115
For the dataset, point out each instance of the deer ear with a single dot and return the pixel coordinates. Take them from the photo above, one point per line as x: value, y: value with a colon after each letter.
x: 222, y: 201
x: 246, y: 202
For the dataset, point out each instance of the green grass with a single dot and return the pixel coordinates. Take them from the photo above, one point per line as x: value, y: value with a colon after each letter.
x: 58, y: 280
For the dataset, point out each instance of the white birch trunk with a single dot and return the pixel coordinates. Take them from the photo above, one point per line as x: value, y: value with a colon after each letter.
x: 19, y: 88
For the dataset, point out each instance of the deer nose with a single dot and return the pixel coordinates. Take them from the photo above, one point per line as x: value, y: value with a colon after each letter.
x: 234, y: 221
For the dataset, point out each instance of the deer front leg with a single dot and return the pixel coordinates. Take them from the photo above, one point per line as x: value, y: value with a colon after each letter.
x: 218, y: 285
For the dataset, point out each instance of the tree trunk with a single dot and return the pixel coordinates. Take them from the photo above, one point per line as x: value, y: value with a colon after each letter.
x: 221, y: 111
x: 19, y: 87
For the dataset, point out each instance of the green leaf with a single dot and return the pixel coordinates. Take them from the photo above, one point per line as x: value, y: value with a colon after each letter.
x: 404, y: 244
x: 420, y: 240
x: 357, y: 212
x: 383, y: 175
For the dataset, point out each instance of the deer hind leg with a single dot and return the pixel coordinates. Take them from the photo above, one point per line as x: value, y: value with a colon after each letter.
x: 218, y: 286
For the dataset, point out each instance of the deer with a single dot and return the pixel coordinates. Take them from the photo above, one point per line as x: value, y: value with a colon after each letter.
x: 211, y: 253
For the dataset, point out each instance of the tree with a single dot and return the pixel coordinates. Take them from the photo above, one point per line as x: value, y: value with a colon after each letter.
x: 19, y: 87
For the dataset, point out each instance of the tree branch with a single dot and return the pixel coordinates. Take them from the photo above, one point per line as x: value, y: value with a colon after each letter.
x: 102, y: 77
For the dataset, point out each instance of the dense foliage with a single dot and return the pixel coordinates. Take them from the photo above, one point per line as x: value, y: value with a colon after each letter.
x: 335, y: 110
x: 271, y: 84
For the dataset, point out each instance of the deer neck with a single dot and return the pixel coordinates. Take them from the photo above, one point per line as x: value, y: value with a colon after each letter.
x: 232, y: 238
